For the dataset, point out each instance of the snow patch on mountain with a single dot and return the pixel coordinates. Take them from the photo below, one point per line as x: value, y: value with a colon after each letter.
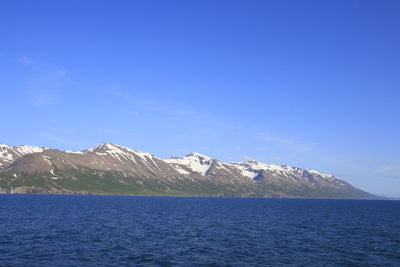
x: 124, y: 154
x: 75, y: 152
x: 10, y: 153
x: 5, y: 154
x: 258, y: 166
x: 245, y: 170
x: 252, y: 169
x: 323, y: 175
x: 24, y: 149
x: 120, y: 150
x: 180, y: 170
x: 194, y: 161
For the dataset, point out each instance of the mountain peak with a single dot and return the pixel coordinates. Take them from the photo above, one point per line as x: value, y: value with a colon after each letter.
x: 252, y: 161
x: 108, y: 144
x: 104, y: 146
x: 109, y: 148
x: 198, y: 155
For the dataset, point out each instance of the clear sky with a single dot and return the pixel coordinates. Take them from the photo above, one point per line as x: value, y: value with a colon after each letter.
x: 313, y: 84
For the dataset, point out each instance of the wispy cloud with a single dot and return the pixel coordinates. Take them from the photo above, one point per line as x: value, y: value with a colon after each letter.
x: 276, y: 158
x: 128, y: 97
x: 24, y: 60
x: 40, y: 98
x: 391, y: 170
x: 44, y: 88
x: 154, y: 106
x: 289, y: 143
x: 201, y: 135
x: 112, y: 131
x: 66, y: 141
x: 194, y: 124
x: 206, y: 125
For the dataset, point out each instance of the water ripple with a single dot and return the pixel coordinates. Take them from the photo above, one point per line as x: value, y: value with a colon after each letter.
x: 46, y: 230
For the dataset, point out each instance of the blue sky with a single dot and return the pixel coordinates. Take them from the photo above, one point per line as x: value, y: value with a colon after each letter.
x: 314, y: 84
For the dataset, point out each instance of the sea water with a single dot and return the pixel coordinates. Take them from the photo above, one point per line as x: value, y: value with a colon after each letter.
x: 57, y: 230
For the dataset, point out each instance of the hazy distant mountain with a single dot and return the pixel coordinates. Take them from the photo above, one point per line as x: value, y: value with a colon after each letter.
x: 113, y: 169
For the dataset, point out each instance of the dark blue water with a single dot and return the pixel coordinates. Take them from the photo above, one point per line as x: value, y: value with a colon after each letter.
x: 51, y: 230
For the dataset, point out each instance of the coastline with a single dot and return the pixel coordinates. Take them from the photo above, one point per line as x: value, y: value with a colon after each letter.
x: 204, y: 195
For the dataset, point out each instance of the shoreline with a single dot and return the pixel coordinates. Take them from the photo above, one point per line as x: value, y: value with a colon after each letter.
x: 189, y: 196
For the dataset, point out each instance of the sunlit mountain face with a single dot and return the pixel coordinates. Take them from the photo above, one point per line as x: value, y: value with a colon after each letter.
x: 113, y: 169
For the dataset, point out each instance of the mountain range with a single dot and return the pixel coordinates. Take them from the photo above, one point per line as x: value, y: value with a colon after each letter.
x: 113, y: 169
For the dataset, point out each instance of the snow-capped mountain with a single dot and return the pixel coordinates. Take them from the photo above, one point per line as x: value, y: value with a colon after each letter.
x: 254, y: 170
x: 191, y: 163
x: 110, y: 168
x: 8, y: 154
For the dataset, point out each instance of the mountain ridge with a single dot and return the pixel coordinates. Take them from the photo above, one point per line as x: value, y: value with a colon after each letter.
x: 29, y: 169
